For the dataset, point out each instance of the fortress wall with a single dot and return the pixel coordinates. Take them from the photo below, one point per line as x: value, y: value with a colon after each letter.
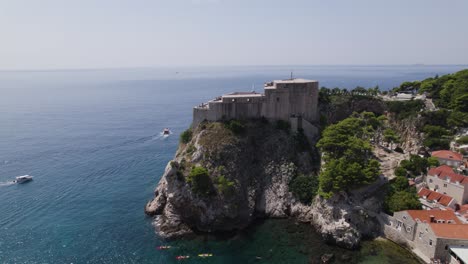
x: 276, y: 104
x: 228, y: 109
x: 310, y: 131
x: 292, y: 99
x: 238, y: 110
x: 199, y: 115
x: 282, y: 100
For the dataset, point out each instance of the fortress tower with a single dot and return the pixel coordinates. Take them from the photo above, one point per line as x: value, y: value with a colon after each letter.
x: 291, y: 98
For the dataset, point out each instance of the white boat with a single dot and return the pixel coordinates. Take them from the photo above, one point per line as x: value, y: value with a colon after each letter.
x: 166, y: 131
x: 23, y: 179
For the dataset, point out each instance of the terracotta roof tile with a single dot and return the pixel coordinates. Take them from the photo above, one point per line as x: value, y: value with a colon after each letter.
x: 443, y: 168
x: 445, y: 172
x: 425, y: 215
x: 456, y: 231
x: 447, y: 154
x: 435, y: 196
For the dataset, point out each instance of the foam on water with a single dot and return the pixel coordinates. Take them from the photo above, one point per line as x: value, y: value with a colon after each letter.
x: 9, y: 183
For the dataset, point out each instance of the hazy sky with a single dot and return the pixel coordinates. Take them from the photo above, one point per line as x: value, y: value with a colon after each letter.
x: 56, y: 34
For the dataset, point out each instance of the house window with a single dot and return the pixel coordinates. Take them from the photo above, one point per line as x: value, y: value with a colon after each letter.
x: 399, y: 224
x: 430, y: 242
x: 445, y: 185
x: 277, y: 99
x: 233, y: 100
x: 430, y: 180
x: 420, y: 235
x: 248, y: 99
x: 404, y: 217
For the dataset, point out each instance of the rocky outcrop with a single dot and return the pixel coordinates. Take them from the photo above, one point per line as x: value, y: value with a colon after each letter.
x: 260, y: 161
x: 343, y: 220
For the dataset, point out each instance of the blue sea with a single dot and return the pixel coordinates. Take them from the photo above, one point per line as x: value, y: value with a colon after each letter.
x: 92, y: 140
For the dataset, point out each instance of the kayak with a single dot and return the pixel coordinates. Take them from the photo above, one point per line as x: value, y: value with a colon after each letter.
x: 205, y: 255
x: 163, y: 247
x: 182, y: 257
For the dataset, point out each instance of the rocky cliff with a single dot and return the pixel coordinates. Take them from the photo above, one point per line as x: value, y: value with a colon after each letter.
x: 409, y: 131
x: 249, y: 175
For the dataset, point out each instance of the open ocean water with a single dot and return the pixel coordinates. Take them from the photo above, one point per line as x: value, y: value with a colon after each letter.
x: 91, y: 139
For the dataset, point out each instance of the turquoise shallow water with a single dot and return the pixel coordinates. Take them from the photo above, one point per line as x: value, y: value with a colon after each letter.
x: 92, y: 141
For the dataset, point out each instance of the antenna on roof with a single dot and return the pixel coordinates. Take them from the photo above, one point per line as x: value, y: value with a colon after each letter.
x: 292, y: 75
x: 253, y: 88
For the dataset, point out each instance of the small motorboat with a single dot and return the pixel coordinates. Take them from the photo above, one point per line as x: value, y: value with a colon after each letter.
x: 182, y: 257
x: 166, y: 131
x: 23, y: 179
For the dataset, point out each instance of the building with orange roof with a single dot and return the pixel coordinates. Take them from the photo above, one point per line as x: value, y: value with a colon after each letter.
x: 444, y: 180
x: 430, y: 233
x: 448, y: 157
x: 431, y: 199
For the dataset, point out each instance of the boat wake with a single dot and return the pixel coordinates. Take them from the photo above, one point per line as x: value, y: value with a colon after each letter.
x: 161, y: 136
x: 8, y: 183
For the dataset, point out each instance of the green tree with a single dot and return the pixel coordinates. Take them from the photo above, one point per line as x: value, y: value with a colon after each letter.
x: 433, y: 162
x: 402, y: 200
x: 435, y: 131
x: 341, y: 174
x: 400, y: 184
x: 404, y: 109
x: 436, y: 143
x: 461, y: 103
x: 304, y: 188
x: 415, y: 165
x: 346, y: 150
x: 390, y: 137
x: 345, y: 139
x: 457, y: 119
x: 400, y: 172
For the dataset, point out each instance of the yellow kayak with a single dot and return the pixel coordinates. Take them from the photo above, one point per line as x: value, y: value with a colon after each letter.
x: 205, y: 255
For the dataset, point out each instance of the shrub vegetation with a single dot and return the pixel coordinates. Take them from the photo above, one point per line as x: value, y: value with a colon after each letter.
x: 304, y: 187
x: 200, y: 181
x: 235, y: 126
x: 186, y: 136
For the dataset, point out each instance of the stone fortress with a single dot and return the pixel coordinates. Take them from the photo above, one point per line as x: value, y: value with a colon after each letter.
x: 292, y: 100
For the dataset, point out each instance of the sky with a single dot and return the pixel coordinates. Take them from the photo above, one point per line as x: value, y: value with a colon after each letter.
x: 78, y: 34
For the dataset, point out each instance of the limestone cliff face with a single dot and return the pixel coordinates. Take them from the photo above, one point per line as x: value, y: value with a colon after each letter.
x: 409, y: 132
x: 261, y: 162
x: 343, y: 106
x: 344, y: 219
